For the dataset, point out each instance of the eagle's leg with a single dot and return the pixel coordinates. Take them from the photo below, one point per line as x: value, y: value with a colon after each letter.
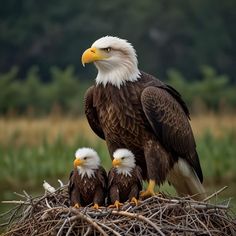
x: 135, y: 201
x: 116, y: 205
x: 150, y: 189
x: 134, y: 194
x: 99, y: 198
x: 158, y: 163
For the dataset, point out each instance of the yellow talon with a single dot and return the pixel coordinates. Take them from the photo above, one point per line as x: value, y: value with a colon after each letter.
x: 150, y: 190
x: 147, y: 194
x: 95, y: 206
x: 77, y: 205
x: 135, y: 201
x: 116, y: 205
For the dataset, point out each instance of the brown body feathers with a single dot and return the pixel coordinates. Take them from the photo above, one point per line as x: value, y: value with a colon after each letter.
x: 84, y: 191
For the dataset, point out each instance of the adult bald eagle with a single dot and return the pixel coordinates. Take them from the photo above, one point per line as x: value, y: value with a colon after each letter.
x: 129, y: 108
x: 124, y: 179
x: 88, y: 180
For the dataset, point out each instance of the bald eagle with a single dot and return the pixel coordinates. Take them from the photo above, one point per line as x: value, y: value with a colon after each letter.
x: 124, y: 179
x: 132, y: 109
x: 88, y: 180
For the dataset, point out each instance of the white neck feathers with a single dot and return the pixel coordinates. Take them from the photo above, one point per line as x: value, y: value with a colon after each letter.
x: 83, y: 171
x: 117, y: 76
x: 126, y: 171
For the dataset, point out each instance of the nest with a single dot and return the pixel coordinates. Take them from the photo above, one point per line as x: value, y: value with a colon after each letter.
x: 50, y: 214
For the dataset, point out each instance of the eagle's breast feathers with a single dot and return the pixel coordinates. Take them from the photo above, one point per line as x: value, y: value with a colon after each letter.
x: 122, y: 187
x: 84, y: 189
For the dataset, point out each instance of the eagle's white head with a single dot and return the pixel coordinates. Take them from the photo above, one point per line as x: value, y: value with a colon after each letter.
x: 124, y: 161
x: 86, y: 161
x: 115, y: 60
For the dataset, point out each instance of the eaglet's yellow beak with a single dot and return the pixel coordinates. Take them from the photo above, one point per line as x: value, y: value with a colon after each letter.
x: 78, y: 162
x: 116, y: 162
x: 91, y: 55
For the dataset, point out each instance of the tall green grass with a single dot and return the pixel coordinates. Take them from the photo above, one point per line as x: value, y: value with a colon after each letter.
x: 217, y: 156
x: 28, y: 166
x: 25, y: 167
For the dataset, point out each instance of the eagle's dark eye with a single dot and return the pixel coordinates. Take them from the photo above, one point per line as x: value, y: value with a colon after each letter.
x: 107, y: 49
x: 122, y: 158
x: 85, y: 158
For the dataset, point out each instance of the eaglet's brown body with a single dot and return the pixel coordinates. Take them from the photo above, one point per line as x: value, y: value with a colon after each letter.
x: 85, y: 190
x: 124, y: 187
x: 147, y: 117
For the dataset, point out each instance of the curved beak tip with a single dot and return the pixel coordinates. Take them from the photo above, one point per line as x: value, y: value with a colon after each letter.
x: 87, y: 57
x: 83, y: 60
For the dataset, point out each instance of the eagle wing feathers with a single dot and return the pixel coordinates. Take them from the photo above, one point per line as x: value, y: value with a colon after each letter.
x: 73, y: 191
x: 111, y: 175
x: 169, y: 120
x: 91, y: 113
x: 102, y: 176
x: 138, y: 171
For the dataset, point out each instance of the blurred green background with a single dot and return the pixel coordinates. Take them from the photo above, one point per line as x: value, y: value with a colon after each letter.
x: 188, y: 44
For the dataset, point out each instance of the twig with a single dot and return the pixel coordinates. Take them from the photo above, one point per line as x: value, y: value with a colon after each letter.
x: 204, y: 226
x: 88, y: 231
x: 20, y: 195
x: 16, y: 202
x: 192, y: 203
x: 46, y: 200
x: 70, y: 229
x: 90, y: 221
x: 124, y: 213
x: 60, y: 182
x: 110, y: 229
x: 26, y: 194
x: 50, y: 214
x: 214, y: 194
x: 62, y: 227
x: 9, y: 211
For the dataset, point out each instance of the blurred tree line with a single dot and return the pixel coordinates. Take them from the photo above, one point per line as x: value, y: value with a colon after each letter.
x: 179, y: 34
x: 64, y: 92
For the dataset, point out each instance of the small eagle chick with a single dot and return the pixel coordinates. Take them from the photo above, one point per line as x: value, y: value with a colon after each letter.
x: 88, y: 180
x: 124, y: 179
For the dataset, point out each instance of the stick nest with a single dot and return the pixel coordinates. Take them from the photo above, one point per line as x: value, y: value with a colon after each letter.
x: 159, y: 215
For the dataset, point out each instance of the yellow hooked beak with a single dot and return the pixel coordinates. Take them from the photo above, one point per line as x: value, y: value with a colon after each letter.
x: 91, y: 55
x: 78, y: 162
x: 116, y: 162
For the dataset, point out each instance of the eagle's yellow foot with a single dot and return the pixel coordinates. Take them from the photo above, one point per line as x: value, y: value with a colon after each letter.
x: 95, y: 206
x: 135, y: 201
x: 77, y: 205
x: 149, y: 191
x: 116, y: 205
x: 147, y: 194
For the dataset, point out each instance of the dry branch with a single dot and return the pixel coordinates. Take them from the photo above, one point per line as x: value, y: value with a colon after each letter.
x: 50, y: 214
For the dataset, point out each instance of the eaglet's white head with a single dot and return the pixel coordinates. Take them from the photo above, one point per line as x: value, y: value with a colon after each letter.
x: 124, y: 161
x: 115, y: 60
x: 86, y: 161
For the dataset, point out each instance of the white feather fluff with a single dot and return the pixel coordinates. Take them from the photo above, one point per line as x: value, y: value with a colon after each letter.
x: 185, y: 180
x: 48, y: 187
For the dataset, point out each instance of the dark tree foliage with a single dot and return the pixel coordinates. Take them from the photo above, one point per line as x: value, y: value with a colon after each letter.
x: 167, y: 34
x: 64, y: 93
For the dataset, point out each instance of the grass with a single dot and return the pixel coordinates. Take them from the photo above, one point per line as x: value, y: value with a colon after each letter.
x: 32, y: 150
